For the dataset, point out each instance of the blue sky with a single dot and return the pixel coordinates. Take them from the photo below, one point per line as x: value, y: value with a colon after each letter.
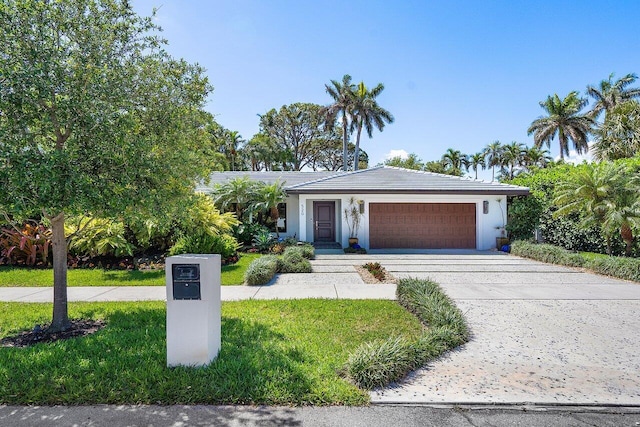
x: 457, y: 74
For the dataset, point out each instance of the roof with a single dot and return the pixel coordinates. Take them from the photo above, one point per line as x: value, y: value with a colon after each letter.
x: 380, y: 179
x: 290, y: 178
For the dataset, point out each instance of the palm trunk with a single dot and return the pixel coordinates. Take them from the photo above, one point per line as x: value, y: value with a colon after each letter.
x: 356, y: 157
x: 627, y: 235
x: 60, y: 320
x: 344, y: 143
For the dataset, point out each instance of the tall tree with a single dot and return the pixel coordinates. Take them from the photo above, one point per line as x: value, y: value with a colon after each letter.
x: 455, y: 161
x: 297, y: 129
x: 95, y: 118
x: 343, y: 95
x: 493, y: 153
x: 477, y: 160
x: 368, y: 114
x: 269, y: 197
x: 536, y: 157
x: 411, y: 162
x: 609, y: 94
x: 619, y: 135
x: 512, y: 157
x: 564, y: 120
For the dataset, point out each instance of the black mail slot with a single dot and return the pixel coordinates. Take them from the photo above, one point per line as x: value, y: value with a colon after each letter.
x: 186, y: 281
x: 186, y: 290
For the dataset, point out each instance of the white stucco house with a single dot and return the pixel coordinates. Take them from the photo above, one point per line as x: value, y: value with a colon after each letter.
x: 401, y: 208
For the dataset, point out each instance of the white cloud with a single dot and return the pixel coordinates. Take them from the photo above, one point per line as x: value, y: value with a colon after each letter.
x: 396, y: 153
x: 576, y: 158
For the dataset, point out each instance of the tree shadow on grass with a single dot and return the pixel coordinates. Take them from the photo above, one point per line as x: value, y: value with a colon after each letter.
x: 133, y: 275
x: 126, y: 363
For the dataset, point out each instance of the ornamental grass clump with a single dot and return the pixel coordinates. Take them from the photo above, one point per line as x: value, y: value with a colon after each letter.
x: 623, y: 268
x: 293, y: 261
x: 262, y: 270
x: 378, y: 363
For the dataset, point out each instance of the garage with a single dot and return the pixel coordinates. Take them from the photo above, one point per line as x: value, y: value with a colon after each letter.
x: 422, y: 225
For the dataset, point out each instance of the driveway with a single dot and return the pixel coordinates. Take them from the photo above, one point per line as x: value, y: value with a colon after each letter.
x: 541, y: 333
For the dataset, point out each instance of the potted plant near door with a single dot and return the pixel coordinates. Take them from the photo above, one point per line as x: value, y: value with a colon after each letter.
x: 352, y: 217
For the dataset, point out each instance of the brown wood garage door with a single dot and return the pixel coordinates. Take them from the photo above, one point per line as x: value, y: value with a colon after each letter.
x: 422, y: 225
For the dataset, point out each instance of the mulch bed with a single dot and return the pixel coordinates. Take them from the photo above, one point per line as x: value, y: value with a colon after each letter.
x: 370, y: 279
x: 38, y: 334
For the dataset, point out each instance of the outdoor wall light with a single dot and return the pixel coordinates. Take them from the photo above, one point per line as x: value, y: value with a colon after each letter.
x: 485, y: 207
x: 361, y: 204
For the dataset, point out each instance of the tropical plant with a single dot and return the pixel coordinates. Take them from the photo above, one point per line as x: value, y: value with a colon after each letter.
x: 27, y: 245
x: 512, y: 158
x: 97, y: 237
x: 455, y: 161
x: 477, y: 160
x: 564, y: 120
x: 237, y: 194
x: 493, y: 153
x: 609, y: 94
x: 602, y: 197
x: 367, y: 113
x: 619, y: 136
x: 352, y: 216
x: 270, y: 196
x: 343, y: 95
x: 536, y: 157
x: 263, y: 241
x: 200, y: 242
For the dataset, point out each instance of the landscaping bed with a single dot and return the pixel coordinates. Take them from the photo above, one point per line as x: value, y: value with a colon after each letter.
x: 619, y: 267
x: 273, y: 353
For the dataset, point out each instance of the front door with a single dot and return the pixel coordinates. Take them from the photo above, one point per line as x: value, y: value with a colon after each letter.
x: 324, y: 214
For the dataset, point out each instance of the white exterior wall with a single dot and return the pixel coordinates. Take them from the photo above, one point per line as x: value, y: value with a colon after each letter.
x: 293, y: 217
x: 487, y: 225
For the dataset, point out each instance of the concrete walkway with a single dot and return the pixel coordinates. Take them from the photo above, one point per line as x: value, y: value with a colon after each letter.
x: 542, y: 334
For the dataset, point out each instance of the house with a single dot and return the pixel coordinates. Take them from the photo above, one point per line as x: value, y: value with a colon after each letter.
x: 401, y: 208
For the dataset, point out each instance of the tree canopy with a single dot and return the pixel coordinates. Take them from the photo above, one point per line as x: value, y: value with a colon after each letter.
x: 95, y: 117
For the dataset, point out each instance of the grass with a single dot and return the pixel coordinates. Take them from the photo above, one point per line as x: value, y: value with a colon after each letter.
x: 273, y: 352
x: 19, y: 276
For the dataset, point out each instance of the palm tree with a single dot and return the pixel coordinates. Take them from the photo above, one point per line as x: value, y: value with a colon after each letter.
x: 476, y: 160
x: 455, y: 160
x: 610, y: 93
x: 597, y: 192
x: 618, y: 136
x: 367, y: 113
x: 538, y: 157
x: 232, y: 140
x: 343, y: 95
x: 270, y: 196
x: 512, y: 157
x: 493, y: 154
x: 237, y: 194
x: 564, y: 120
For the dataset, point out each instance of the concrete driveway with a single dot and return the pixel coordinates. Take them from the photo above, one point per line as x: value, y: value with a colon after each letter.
x: 541, y: 333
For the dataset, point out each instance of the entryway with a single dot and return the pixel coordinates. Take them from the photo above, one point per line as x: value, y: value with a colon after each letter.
x: 324, y: 222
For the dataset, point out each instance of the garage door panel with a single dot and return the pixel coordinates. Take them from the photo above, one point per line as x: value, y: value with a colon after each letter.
x: 422, y: 225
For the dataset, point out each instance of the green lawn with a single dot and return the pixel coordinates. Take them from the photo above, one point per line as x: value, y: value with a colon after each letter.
x: 593, y: 255
x: 273, y: 352
x: 19, y: 276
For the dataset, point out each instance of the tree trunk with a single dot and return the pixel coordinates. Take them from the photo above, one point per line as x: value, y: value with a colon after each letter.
x: 345, y: 152
x: 627, y: 235
x: 356, y: 157
x: 60, y: 320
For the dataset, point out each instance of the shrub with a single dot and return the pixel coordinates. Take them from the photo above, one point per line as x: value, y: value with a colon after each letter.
x: 261, y: 270
x: 305, y: 251
x: 293, y: 261
x: 204, y: 243
x: 263, y: 241
x: 29, y: 246
x: 245, y: 233
x: 382, y: 362
x: 376, y: 270
x: 547, y: 253
x: 623, y: 268
x: 97, y: 237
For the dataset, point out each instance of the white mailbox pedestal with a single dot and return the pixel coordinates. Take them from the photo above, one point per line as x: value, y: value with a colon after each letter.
x: 193, y: 309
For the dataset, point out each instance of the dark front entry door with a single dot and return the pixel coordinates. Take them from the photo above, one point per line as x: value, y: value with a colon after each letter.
x: 324, y: 214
